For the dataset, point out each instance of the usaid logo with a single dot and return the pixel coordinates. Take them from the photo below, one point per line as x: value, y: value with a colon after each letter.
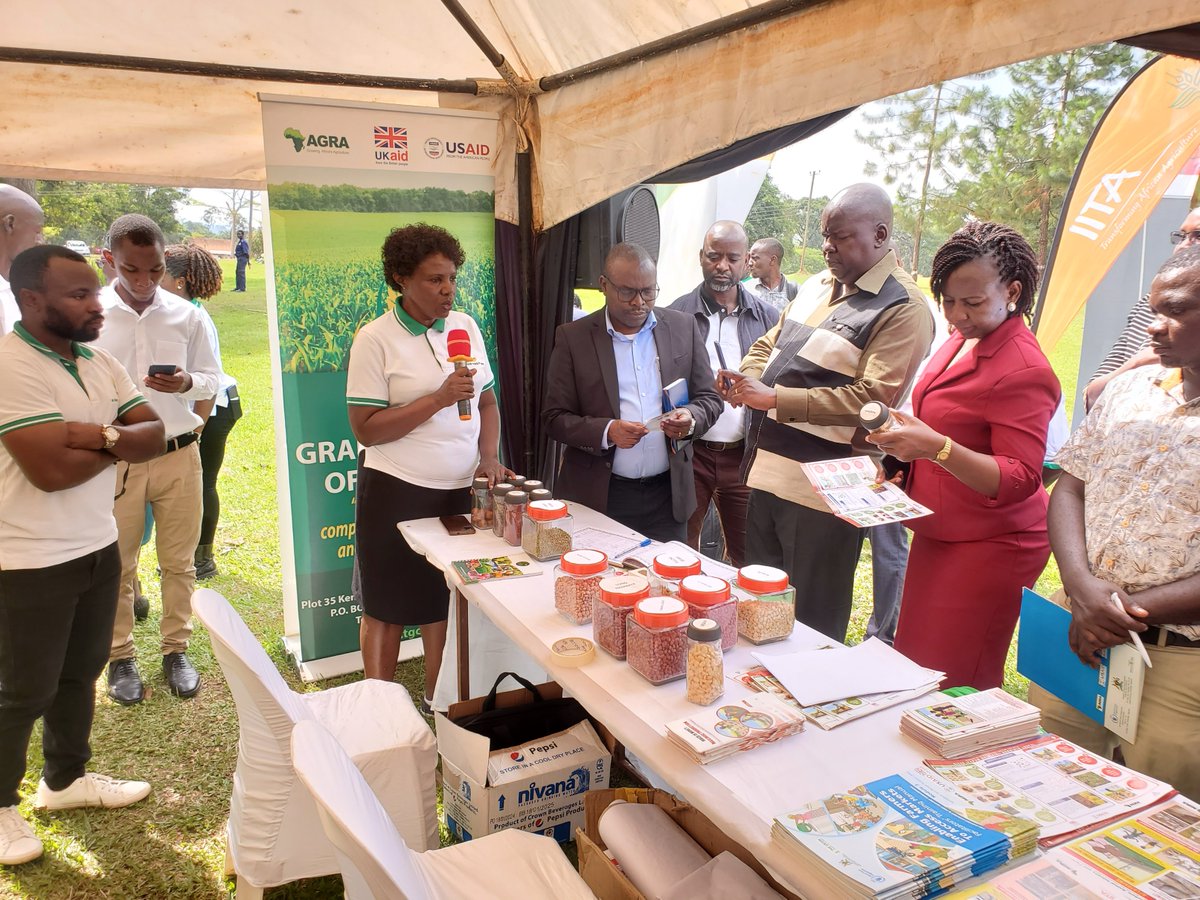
x: 433, y: 148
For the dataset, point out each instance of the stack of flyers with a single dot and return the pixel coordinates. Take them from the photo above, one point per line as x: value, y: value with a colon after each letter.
x: 713, y: 734
x: 849, y: 489
x: 954, y: 727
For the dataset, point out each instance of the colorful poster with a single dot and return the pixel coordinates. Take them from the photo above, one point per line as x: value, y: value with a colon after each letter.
x: 339, y: 179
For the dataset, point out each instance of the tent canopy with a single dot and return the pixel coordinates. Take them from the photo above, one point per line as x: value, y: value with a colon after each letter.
x: 602, y: 93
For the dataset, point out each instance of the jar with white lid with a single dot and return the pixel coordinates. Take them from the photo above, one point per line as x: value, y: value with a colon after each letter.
x: 618, y: 595
x: 710, y: 598
x: 577, y: 579
x: 499, y: 491
x: 668, y: 569
x: 656, y: 639
x: 766, y: 604
x: 546, y: 530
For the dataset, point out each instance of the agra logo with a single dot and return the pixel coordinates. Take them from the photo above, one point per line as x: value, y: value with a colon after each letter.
x: 301, y: 141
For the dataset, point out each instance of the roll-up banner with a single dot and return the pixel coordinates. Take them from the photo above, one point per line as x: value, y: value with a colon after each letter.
x: 340, y: 177
x: 1142, y: 143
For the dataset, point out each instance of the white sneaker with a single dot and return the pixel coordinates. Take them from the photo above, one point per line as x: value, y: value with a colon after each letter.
x: 91, y: 790
x: 18, y: 843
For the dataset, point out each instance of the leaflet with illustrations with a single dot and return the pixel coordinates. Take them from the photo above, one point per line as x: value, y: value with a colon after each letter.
x: 712, y: 734
x: 969, y: 724
x: 848, y: 487
x: 1154, y: 855
x: 888, y: 839
x: 1064, y: 789
x: 490, y: 568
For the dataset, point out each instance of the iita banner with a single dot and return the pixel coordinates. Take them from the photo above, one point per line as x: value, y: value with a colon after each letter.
x: 1143, y: 140
x: 339, y: 179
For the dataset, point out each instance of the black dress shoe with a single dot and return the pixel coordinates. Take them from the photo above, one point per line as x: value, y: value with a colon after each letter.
x: 206, y: 569
x: 124, y: 682
x: 182, y: 677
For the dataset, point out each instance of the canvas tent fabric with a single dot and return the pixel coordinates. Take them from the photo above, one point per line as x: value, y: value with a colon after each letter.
x: 590, y: 135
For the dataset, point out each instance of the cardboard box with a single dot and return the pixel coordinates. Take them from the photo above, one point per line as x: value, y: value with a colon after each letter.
x: 549, y: 802
x: 608, y: 882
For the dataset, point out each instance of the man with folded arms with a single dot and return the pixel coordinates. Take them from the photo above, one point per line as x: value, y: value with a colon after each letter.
x: 1124, y: 521
x: 68, y: 412
x: 144, y: 326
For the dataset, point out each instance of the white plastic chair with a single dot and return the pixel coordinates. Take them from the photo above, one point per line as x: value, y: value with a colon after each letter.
x: 274, y: 835
x: 377, y: 865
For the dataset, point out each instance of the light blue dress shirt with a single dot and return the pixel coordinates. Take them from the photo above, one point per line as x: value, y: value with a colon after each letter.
x: 639, y: 388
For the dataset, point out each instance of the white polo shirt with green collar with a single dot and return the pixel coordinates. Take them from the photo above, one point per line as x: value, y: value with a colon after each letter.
x: 40, y: 529
x: 395, y: 360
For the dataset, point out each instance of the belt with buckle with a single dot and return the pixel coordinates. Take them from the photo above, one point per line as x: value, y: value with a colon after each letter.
x: 720, y: 446
x: 1161, y: 637
x: 649, y: 479
x: 182, y: 440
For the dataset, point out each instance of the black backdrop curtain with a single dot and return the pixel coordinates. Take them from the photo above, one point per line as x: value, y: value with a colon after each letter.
x: 510, y: 324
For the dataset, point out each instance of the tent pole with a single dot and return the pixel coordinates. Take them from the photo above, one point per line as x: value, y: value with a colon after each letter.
x: 518, y: 85
x: 525, y: 240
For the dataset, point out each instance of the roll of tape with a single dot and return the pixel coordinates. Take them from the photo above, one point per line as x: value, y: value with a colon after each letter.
x: 573, y: 652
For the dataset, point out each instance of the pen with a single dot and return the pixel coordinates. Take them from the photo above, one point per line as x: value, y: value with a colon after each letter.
x: 1133, y: 635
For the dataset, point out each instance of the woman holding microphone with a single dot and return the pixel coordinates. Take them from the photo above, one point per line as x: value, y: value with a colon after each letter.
x: 402, y: 394
x: 976, y: 442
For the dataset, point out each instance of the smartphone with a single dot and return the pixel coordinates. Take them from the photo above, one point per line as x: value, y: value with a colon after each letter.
x: 724, y: 365
x: 161, y: 370
x: 457, y: 525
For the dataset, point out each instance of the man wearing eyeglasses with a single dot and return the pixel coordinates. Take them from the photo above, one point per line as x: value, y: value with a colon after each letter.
x: 605, y: 384
x: 732, y: 318
x: 1132, y: 347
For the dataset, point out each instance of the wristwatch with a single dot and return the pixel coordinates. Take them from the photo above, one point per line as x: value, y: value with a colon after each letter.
x: 944, y: 453
x: 111, y: 436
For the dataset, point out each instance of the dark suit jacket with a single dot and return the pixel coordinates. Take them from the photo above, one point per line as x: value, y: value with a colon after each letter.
x: 998, y: 402
x: 581, y: 399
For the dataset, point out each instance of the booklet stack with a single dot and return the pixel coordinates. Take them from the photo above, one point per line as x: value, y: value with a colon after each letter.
x: 890, y: 839
x: 955, y: 727
x: 713, y: 734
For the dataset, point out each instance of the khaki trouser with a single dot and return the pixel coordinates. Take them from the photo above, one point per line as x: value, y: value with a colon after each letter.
x: 1168, y: 732
x: 171, y: 484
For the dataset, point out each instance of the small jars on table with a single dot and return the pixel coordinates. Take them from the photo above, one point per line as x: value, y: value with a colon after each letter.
x: 481, y: 504
x: 514, y: 513
x: 705, y: 662
x: 618, y: 594
x: 538, y: 493
x: 709, y: 598
x: 498, y: 492
x: 670, y: 568
x: 546, y: 531
x: 766, y: 604
x: 577, y: 579
x: 518, y: 482
x: 656, y: 639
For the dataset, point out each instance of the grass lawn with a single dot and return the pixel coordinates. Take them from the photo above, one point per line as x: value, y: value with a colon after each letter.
x: 171, y: 845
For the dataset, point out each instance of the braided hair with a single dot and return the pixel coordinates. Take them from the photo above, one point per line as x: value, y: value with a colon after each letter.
x: 199, y: 269
x: 1014, y: 258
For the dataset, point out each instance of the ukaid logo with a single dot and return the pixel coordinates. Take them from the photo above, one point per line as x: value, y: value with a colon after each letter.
x: 575, y: 783
x: 319, y: 143
x: 391, y: 145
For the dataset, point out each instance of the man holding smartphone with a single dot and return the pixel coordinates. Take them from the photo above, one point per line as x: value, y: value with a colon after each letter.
x: 161, y: 341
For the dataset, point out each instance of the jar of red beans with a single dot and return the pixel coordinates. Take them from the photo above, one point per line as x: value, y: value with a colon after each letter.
x: 577, y: 580
x: 514, y: 513
x: 710, y: 598
x: 669, y: 568
x: 656, y: 639
x: 618, y: 594
x: 766, y: 604
x: 498, y: 493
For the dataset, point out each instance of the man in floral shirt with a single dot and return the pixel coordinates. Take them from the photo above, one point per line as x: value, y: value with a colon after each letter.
x: 1125, y: 519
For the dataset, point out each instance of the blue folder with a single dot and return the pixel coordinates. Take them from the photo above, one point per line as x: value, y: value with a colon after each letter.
x: 1044, y: 657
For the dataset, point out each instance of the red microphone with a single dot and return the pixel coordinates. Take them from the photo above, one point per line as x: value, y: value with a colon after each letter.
x: 458, y: 351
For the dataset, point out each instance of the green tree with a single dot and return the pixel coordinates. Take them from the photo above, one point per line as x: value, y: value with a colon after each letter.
x: 83, y: 210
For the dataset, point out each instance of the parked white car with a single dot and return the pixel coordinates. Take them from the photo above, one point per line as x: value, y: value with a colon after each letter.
x: 78, y: 247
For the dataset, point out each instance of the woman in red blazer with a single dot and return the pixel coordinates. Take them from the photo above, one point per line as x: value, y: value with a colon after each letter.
x: 976, y: 442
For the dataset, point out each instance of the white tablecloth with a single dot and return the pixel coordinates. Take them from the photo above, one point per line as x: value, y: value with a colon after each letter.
x: 740, y: 794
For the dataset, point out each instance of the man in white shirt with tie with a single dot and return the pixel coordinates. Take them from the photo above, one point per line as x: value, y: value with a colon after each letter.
x: 21, y: 221
x: 161, y: 341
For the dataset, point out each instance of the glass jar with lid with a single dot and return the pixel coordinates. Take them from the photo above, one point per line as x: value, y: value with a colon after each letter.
x: 656, y: 639
x: 577, y: 579
x: 669, y: 568
x: 766, y: 604
x: 618, y: 595
x: 498, y: 492
x: 538, y: 493
x: 518, y: 482
x: 481, y: 504
x: 705, y: 662
x: 514, y: 514
x: 710, y: 598
x: 546, y: 531
x: 532, y: 484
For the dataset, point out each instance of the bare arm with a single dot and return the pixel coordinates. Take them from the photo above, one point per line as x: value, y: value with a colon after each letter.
x: 381, y: 425
x: 203, y: 409
x: 1096, y: 386
x: 489, y: 439
x: 142, y: 434
x: 45, y: 455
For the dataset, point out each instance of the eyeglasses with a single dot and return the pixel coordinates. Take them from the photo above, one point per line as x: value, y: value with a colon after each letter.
x: 626, y: 294
x: 1189, y: 237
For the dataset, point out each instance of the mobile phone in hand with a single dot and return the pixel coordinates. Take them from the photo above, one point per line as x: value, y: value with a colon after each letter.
x: 724, y: 365
x: 457, y: 525
x: 158, y: 369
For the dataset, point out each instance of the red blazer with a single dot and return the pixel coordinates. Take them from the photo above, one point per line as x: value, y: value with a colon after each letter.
x: 997, y: 400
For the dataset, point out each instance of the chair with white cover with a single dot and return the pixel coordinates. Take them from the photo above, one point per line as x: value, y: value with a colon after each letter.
x: 377, y: 865
x: 274, y: 834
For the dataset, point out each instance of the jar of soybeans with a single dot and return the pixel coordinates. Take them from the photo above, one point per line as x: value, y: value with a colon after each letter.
x: 766, y: 604
x: 481, y: 503
x: 514, y: 513
x: 669, y: 568
x: 710, y: 598
x: 498, y: 492
x: 546, y: 531
x: 577, y: 579
x: 618, y: 594
x: 656, y: 639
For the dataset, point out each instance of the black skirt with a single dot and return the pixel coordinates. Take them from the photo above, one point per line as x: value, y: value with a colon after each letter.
x: 399, y: 586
